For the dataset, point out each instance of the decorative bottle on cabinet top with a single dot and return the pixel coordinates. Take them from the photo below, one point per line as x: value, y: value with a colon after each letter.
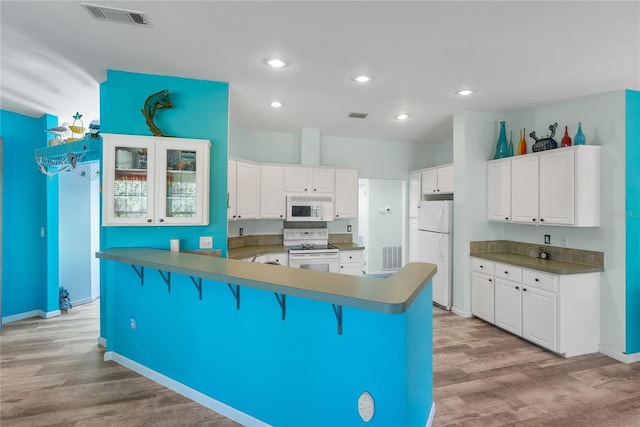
x: 510, y: 143
x: 579, y: 138
x: 502, y: 148
x: 566, y: 139
x: 522, y: 146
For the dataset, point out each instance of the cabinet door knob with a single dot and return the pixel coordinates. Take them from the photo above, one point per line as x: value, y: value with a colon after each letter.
x: 491, y: 280
x: 280, y: 215
x: 536, y: 279
x: 533, y: 219
x: 506, y: 218
x: 506, y: 272
x: 541, y: 219
x: 524, y: 289
x: 161, y: 220
x: 482, y: 266
x: 517, y: 287
x: 148, y: 219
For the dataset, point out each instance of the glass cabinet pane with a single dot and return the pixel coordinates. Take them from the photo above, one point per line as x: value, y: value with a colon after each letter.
x: 181, y: 184
x: 130, y: 195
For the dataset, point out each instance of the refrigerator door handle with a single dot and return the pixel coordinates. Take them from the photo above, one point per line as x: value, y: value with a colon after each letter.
x: 440, y: 219
x: 440, y: 246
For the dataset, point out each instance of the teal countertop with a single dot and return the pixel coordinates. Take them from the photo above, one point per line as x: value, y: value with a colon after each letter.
x: 392, y: 295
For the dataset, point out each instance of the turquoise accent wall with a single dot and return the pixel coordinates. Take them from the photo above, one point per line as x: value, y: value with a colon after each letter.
x: 200, y: 110
x: 292, y: 372
x: 24, y: 257
x: 632, y: 160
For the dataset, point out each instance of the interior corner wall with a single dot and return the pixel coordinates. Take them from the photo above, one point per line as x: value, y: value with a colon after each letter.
x: 603, y: 122
x: 632, y: 214
x: 24, y: 258
x: 474, y: 138
x: 429, y: 154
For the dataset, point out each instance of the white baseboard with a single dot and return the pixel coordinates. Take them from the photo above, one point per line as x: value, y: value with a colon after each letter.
x: 465, y: 314
x: 196, y: 396
x: 432, y: 415
x: 30, y: 314
x: 620, y: 357
x: 102, y: 342
x: 83, y: 301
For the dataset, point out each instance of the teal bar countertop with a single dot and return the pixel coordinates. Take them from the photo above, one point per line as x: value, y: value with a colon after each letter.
x: 392, y: 295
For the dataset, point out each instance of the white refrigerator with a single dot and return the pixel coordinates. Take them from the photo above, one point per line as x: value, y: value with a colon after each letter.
x: 435, y: 221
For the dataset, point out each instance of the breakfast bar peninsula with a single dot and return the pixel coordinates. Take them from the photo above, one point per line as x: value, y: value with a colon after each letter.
x: 272, y: 345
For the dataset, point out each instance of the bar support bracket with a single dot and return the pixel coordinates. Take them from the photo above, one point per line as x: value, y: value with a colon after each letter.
x: 337, y: 310
x: 282, y: 300
x: 140, y: 273
x: 167, y: 279
x: 235, y: 290
x: 198, y: 284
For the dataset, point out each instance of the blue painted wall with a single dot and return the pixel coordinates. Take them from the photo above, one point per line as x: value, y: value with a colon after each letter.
x: 296, y: 372
x: 632, y: 160
x: 200, y: 110
x: 24, y: 257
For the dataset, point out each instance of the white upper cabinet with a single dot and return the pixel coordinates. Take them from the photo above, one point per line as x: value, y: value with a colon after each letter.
x: 555, y: 187
x: 247, y: 184
x: 437, y: 180
x: 499, y: 190
x: 415, y: 194
x: 151, y: 180
x: 346, y: 194
x: 301, y: 179
x: 272, y: 199
x: 524, y: 189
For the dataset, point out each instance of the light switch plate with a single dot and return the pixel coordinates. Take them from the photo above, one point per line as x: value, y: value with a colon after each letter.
x: 206, y: 242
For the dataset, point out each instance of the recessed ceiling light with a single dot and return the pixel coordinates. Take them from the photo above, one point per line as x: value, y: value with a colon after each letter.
x: 276, y: 63
x: 402, y: 116
x: 363, y: 79
x: 276, y: 104
x: 464, y: 92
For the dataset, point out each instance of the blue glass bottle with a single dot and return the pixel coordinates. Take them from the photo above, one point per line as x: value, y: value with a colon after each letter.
x: 502, y: 148
x: 579, y: 138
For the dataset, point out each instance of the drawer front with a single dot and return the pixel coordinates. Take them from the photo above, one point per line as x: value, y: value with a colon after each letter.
x: 537, y: 279
x: 509, y: 272
x: 480, y: 265
x: 350, y: 256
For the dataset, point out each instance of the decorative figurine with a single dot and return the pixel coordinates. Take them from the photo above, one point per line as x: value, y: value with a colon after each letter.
x: 94, y: 128
x: 60, y: 133
x: 153, y: 103
x: 547, y: 143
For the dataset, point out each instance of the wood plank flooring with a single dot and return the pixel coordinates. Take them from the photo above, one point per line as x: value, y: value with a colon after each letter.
x: 484, y: 376
x: 52, y: 373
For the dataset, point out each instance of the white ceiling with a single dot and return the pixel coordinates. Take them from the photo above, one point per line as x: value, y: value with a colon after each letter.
x: 514, y: 54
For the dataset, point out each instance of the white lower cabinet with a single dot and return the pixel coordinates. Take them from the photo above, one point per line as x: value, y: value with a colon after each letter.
x: 559, y: 312
x: 482, y: 289
x: 351, y: 262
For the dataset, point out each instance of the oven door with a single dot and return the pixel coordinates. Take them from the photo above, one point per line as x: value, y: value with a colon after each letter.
x: 318, y: 261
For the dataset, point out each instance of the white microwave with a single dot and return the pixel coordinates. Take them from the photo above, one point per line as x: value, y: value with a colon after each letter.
x: 305, y: 208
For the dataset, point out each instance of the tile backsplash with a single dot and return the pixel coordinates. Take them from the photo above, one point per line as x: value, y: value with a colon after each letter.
x: 576, y: 256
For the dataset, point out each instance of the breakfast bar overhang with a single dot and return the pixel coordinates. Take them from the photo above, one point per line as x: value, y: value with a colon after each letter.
x: 271, y: 345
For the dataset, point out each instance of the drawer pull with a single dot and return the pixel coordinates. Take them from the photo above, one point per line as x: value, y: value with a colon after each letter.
x: 524, y: 289
x: 517, y: 287
x: 536, y: 279
x: 506, y: 272
x: 491, y: 280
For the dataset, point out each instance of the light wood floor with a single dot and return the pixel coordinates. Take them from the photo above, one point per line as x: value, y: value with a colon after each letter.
x: 52, y: 373
x: 484, y: 376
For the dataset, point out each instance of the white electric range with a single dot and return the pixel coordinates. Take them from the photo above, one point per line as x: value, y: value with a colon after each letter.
x: 309, y: 248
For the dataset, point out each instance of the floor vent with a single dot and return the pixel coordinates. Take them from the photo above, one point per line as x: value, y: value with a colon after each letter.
x: 391, y: 257
x: 111, y: 14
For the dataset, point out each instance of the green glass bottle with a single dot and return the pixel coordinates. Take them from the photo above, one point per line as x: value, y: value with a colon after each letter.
x: 511, y: 143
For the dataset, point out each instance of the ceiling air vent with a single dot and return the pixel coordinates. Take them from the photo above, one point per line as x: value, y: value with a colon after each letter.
x: 116, y: 15
x: 358, y: 115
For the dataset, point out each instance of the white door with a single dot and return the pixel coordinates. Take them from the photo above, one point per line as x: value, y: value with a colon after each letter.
x: 247, y: 195
x: 539, y: 317
x: 272, y: 201
x: 434, y: 248
x: 508, y: 306
x: 524, y: 189
x: 557, y: 187
x: 499, y: 190
x: 430, y: 181
x: 482, y: 296
x: 346, y: 195
x: 445, y: 179
x: 323, y: 180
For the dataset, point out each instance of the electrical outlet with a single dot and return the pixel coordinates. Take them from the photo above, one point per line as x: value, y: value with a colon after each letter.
x: 564, y: 241
x: 349, y: 228
x: 132, y: 322
x: 547, y: 239
x: 241, y: 231
x: 41, y: 231
x: 206, y: 242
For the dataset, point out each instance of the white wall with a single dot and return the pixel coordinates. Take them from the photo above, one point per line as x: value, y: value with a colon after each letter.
x: 78, y: 238
x: 603, y: 122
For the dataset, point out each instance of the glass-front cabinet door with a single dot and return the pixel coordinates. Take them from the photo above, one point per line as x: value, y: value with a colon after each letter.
x: 155, y: 181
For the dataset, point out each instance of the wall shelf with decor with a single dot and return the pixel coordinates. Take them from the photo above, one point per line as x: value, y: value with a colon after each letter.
x: 66, y: 157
